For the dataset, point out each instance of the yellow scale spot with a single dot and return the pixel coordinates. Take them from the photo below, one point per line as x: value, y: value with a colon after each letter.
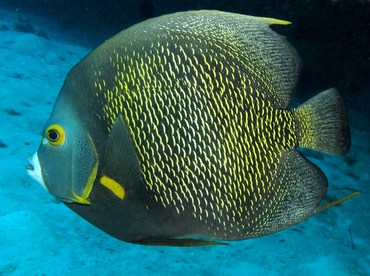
x: 114, y: 186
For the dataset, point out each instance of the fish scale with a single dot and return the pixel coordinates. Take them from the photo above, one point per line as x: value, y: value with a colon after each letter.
x: 212, y: 131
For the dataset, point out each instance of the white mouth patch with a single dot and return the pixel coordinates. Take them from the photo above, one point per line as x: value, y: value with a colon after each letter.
x: 34, y: 169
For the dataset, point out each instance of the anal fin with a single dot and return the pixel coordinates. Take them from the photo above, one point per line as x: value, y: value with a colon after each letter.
x: 335, y: 202
x: 178, y: 242
x: 305, y: 185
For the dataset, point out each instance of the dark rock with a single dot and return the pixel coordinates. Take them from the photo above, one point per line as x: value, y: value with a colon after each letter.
x: 41, y: 33
x: 12, y: 112
x: 3, y: 145
x: 23, y: 25
x: 16, y: 75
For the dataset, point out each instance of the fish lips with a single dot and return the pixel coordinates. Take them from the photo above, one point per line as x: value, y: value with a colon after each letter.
x: 34, y: 169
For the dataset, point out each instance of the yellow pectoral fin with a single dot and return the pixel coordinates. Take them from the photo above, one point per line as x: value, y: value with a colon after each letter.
x: 114, y: 186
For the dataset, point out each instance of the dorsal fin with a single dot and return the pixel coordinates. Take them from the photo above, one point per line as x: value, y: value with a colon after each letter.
x: 274, y: 21
x: 272, y: 59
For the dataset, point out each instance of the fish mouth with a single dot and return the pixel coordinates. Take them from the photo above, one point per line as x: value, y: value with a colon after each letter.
x: 34, y: 169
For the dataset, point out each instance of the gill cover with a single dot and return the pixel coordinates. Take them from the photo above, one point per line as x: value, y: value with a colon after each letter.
x: 68, y: 158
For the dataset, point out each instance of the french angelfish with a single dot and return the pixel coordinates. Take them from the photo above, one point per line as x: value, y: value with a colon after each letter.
x: 178, y: 131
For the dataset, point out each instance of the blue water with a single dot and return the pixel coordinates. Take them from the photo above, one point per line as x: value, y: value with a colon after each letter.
x: 40, y: 236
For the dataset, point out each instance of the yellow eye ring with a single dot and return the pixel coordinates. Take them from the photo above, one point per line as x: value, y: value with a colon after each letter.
x: 55, y: 135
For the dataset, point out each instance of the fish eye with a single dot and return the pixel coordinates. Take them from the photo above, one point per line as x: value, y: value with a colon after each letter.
x: 55, y: 135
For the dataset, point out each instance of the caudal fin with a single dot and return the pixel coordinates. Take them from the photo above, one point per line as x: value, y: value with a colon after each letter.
x: 323, y: 123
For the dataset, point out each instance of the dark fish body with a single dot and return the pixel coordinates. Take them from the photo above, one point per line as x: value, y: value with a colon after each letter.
x: 184, y: 132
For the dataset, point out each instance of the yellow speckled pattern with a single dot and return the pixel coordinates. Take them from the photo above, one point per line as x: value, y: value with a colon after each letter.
x: 205, y: 111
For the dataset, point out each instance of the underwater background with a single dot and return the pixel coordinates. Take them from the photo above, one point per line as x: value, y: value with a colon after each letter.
x: 41, y: 40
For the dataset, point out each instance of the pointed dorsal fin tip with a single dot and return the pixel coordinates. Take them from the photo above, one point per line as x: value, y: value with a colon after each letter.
x: 274, y: 21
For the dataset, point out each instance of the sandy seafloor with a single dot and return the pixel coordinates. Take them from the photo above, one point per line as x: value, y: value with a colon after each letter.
x: 41, y: 236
